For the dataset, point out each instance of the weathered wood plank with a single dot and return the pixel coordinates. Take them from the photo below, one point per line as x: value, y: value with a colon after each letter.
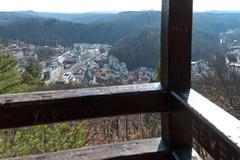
x: 150, y: 149
x: 176, y: 44
x: 56, y: 106
x: 76, y: 93
x: 215, y: 129
x: 176, y: 41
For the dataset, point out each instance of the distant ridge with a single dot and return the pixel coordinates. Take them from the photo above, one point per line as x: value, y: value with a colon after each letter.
x: 43, y: 29
x: 214, y: 11
x: 66, y: 29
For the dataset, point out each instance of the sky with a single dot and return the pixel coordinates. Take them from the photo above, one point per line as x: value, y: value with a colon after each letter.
x: 81, y: 6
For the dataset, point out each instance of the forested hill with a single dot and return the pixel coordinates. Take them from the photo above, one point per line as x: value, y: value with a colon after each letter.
x: 48, y: 31
x: 6, y: 17
x: 120, y: 29
x: 206, y: 32
x: 39, y: 28
x: 91, y: 17
x: 70, y: 17
x: 141, y: 48
x: 213, y: 23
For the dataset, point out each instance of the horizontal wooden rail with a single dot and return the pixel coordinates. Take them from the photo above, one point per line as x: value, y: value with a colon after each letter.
x: 145, y: 149
x: 26, y: 109
x: 215, y: 129
x: 150, y: 149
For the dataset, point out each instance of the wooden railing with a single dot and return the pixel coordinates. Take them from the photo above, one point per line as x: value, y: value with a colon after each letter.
x: 185, y: 113
x: 57, y: 106
x: 216, y: 130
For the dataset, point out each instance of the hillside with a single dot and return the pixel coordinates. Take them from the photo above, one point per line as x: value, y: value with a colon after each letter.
x: 71, y: 17
x: 7, y: 17
x: 48, y: 31
x: 113, y: 28
x: 206, y: 30
x: 94, y: 17
x: 140, y: 48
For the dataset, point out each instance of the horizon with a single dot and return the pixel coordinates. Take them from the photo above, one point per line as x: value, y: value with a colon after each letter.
x: 109, y: 6
x: 116, y: 12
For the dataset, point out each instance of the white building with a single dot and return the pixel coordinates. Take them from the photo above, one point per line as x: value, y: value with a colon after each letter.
x: 52, y: 73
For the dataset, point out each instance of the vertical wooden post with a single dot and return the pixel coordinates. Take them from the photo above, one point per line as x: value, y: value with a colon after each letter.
x: 176, y: 43
x: 176, y: 40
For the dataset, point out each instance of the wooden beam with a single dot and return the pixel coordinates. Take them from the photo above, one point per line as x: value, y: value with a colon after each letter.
x: 26, y: 109
x: 176, y: 41
x: 150, y: 149
x: 215, y: 129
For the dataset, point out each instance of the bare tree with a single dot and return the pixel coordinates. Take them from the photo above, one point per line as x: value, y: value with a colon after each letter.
x: 221, y: 85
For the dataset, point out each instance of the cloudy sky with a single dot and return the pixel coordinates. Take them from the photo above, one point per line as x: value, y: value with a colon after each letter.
x: 108, y: 5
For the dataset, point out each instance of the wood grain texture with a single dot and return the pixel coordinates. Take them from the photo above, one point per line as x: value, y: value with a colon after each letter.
x: 215, y: 129
x: 150, y: 149
x: 56, y: 106
x: 176, y: 41
x: 176, y: 44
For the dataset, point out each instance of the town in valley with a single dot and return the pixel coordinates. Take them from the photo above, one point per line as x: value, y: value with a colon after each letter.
x: 85, y: 64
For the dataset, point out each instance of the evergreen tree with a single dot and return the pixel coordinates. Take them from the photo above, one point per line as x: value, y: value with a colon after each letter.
x: 32, y: 77
x: 36, y: 139
x: 10, y: 81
